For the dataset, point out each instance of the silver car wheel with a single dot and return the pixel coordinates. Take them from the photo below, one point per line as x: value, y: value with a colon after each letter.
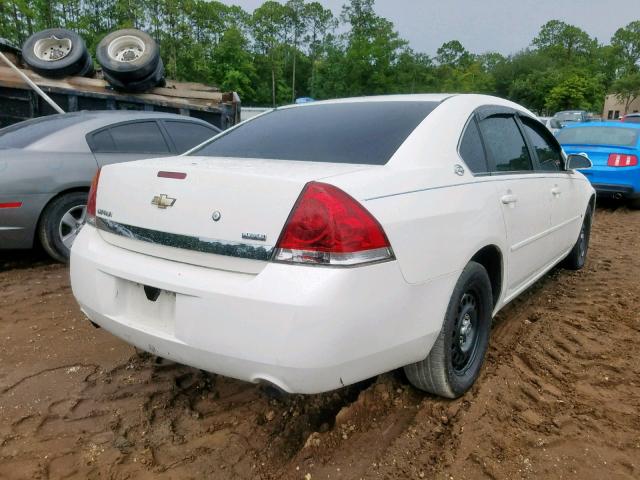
x: 71, y: 223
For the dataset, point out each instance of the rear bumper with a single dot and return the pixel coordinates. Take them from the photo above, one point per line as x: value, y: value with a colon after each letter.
x: 304, y: 329
x: 612, y: 182
x: 616, y: 191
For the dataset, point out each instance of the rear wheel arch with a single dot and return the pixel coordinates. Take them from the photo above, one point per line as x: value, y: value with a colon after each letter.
x: 81, y: 189
x: 490, y: 257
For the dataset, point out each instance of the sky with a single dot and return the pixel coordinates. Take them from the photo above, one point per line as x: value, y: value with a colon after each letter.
x: 504, y: 26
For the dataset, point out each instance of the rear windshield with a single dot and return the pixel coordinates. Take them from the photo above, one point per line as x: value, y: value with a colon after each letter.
x: 25, y: 133
x: 358, y: 132
x: 568, y: 116
x: 625, y: 137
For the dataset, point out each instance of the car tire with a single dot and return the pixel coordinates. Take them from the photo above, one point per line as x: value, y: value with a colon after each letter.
x: 578, y: 254
x: 128, y: 55
x: 455, y: 360
x: 57, y: 53
x: 138, y: 86
x: 60, y: 222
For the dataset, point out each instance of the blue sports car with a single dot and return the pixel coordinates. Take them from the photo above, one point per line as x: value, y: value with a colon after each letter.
x: 614, y: 149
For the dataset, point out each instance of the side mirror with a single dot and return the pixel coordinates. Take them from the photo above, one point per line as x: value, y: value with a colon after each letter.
x: 577, y: 161
x: 554, y: 123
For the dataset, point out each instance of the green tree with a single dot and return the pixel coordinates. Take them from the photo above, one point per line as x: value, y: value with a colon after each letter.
x: 566, y: 43
x: 627, y: 89
x: 626, y: 42
x: 268, y: 24
x: 575, y: 92
x: 453, y: 54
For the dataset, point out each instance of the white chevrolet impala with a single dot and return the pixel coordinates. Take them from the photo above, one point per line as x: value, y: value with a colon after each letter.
x: 318, y: 245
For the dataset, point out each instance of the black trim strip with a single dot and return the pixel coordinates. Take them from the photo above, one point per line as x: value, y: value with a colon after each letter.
x: 198, y: 244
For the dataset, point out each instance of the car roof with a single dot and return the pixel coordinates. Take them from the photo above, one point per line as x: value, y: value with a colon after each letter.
x: 76, y: 125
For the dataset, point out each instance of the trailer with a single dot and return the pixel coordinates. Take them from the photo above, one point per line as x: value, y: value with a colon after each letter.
x: 18, y: 100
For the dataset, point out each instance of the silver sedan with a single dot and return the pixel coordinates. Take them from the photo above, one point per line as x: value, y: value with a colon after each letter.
x: 47, y: 163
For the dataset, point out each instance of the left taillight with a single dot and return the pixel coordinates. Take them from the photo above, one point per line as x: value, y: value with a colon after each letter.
x: 622, y: 160
x: 90, y: 216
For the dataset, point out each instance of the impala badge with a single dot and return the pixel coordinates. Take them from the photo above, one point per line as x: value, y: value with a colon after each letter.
x: 163, y: 201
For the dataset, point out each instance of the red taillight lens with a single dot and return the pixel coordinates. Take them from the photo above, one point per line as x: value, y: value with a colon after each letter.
x: 90, y: 216
x: 622, y: 160
x: 328, y: 226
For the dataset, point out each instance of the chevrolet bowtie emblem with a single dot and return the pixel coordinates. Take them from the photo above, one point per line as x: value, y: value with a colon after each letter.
x: 163, y: 201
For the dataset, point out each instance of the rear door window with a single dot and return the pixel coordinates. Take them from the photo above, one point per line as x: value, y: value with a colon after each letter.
x: 355, y: 132
x: 471, y: 148
x: 186, y: 135
x: 139, y: 137
x: 506, y: 147
x: 545, y: 147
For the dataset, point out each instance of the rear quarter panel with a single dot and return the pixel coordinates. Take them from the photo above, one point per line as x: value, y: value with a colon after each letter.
x: 34, y: 178
x: 436, y: 231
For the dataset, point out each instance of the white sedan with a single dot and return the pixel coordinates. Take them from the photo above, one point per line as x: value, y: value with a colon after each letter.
x: 315, y: 246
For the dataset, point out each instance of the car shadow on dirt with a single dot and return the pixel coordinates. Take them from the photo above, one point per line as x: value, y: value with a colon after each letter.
x: 18, y: 259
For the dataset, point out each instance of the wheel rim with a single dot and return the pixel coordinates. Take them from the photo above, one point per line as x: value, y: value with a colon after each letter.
x: 71, y: 223
x: 126, y: 49
x: 464, y: 341
x: 52, y: 49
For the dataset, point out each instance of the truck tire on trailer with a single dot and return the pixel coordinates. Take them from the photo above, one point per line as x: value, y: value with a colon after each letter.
x: 156, y: 78
x: 57, y: 53
x: 128, y: 55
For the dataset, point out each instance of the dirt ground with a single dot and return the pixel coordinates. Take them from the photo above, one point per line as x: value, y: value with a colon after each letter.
x: 559, y: 395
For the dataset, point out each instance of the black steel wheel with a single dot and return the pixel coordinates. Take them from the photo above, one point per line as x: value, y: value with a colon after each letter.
x: 455, y: 360
x: 578, y: 254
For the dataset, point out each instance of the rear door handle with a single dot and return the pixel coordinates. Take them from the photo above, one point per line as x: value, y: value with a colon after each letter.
x: 509, y: 199
x: 556, y: 191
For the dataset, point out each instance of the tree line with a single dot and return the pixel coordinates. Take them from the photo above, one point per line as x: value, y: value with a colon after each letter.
x: 280, y: 52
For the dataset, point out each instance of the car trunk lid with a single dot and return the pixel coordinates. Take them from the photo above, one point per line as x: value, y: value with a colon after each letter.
x: 222, y: 213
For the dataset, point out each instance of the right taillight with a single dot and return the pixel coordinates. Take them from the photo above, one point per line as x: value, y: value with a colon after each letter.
x: 622, y: 160
x: 90, y: 216
x: 329, y: 227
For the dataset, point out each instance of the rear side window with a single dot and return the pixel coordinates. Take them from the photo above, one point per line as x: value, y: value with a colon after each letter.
x: 505, y: 144
x: 139, y: 137
x: 355, y: 132
x: 471, y: 148
x: 626, y: 137
x: 186, y: 135
x: 102, y: 142
x: 548, y: 152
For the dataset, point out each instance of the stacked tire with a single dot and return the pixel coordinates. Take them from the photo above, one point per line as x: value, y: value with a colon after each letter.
x: 130, y: 60
x: 57, y: 53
